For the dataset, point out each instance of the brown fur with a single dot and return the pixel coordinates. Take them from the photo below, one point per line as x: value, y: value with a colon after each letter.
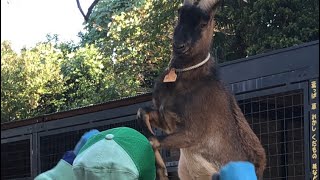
x: 201, y: 118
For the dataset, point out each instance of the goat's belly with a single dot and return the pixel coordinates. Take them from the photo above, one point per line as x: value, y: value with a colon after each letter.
x: 194, y: 166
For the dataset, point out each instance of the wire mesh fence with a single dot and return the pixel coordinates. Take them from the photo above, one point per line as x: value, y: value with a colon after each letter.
x: 15, y: 159
x: 276, y: 119
x: 278, y: 122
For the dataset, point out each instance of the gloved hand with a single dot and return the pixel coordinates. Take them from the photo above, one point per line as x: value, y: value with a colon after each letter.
x: 84, y: 139
x: 69, y: 156
x: 236, y: 171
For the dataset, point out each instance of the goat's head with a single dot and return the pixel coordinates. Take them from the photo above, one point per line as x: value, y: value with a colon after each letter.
x: 194, y: 31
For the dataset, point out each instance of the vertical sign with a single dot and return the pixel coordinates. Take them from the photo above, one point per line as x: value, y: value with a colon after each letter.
x: 314, y: 128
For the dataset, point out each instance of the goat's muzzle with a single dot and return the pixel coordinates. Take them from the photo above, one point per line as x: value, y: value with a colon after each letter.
x: 180, y: 48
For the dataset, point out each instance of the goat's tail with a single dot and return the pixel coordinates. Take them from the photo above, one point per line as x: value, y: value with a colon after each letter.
x: 252, y: 145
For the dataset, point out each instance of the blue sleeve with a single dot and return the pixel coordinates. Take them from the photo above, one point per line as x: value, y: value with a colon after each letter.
x: 69, y: 157
x: 238, y: 171
x: 84, y: 139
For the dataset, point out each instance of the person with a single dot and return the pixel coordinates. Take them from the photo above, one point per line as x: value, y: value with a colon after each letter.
x: 236, y: 170
x: 123, y: 154
x: 119, y: 153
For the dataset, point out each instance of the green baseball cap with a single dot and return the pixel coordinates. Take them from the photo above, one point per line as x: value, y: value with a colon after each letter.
x: 116, y: 154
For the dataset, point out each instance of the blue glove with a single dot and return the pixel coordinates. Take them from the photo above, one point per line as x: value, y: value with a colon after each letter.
x: 69, y: 156
x: 84, y: 139
x: 237, y: 171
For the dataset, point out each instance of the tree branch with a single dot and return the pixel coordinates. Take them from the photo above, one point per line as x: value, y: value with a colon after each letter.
x: 86, y: 16
x: 95, y: 2
x: 81, y: 11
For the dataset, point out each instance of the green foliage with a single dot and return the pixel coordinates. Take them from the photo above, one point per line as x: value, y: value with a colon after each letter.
x: 10, y: 83
x: 128, y: 42
x: 260, y: 26
x: 89, y: 79
x: 31, y: 83
x: 101, y: 16
x: 136, y: 37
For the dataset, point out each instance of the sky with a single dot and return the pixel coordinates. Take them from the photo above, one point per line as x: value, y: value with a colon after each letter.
x: 26, y: 22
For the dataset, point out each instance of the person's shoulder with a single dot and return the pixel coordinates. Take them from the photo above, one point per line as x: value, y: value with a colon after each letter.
x: 63, y: 170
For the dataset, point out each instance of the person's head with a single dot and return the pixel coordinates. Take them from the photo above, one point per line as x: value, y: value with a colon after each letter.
x: 119, y: 153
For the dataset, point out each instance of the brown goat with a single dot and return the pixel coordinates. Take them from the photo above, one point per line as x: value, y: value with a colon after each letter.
x: 194, y: 108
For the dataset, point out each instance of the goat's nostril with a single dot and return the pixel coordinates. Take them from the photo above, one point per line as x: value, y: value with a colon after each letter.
x: 179, y: 46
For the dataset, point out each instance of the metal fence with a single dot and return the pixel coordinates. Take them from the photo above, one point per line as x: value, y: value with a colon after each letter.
x: 274, y: 91
x: 278, y: 122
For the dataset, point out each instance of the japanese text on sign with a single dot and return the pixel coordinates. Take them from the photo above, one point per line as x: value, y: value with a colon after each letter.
x: 314, y: 130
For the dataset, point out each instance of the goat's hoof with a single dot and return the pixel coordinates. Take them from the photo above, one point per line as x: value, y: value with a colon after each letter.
x: 162, y: 174
x: 140, y: 114
x: 154, y: 142
x: 144, y: 117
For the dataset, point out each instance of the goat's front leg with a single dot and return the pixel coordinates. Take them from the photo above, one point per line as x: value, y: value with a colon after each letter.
x: 177, y: 140
x: 146, y: 117
x: 161, y: 166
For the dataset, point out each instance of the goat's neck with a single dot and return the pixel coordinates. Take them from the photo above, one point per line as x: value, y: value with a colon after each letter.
x: 194, y: 74
x: 182, y: 62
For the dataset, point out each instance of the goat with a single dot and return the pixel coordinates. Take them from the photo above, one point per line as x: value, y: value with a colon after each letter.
x: 192, y: 106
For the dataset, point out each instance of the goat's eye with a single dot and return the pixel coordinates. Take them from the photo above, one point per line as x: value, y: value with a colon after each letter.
x: 203, y: 25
